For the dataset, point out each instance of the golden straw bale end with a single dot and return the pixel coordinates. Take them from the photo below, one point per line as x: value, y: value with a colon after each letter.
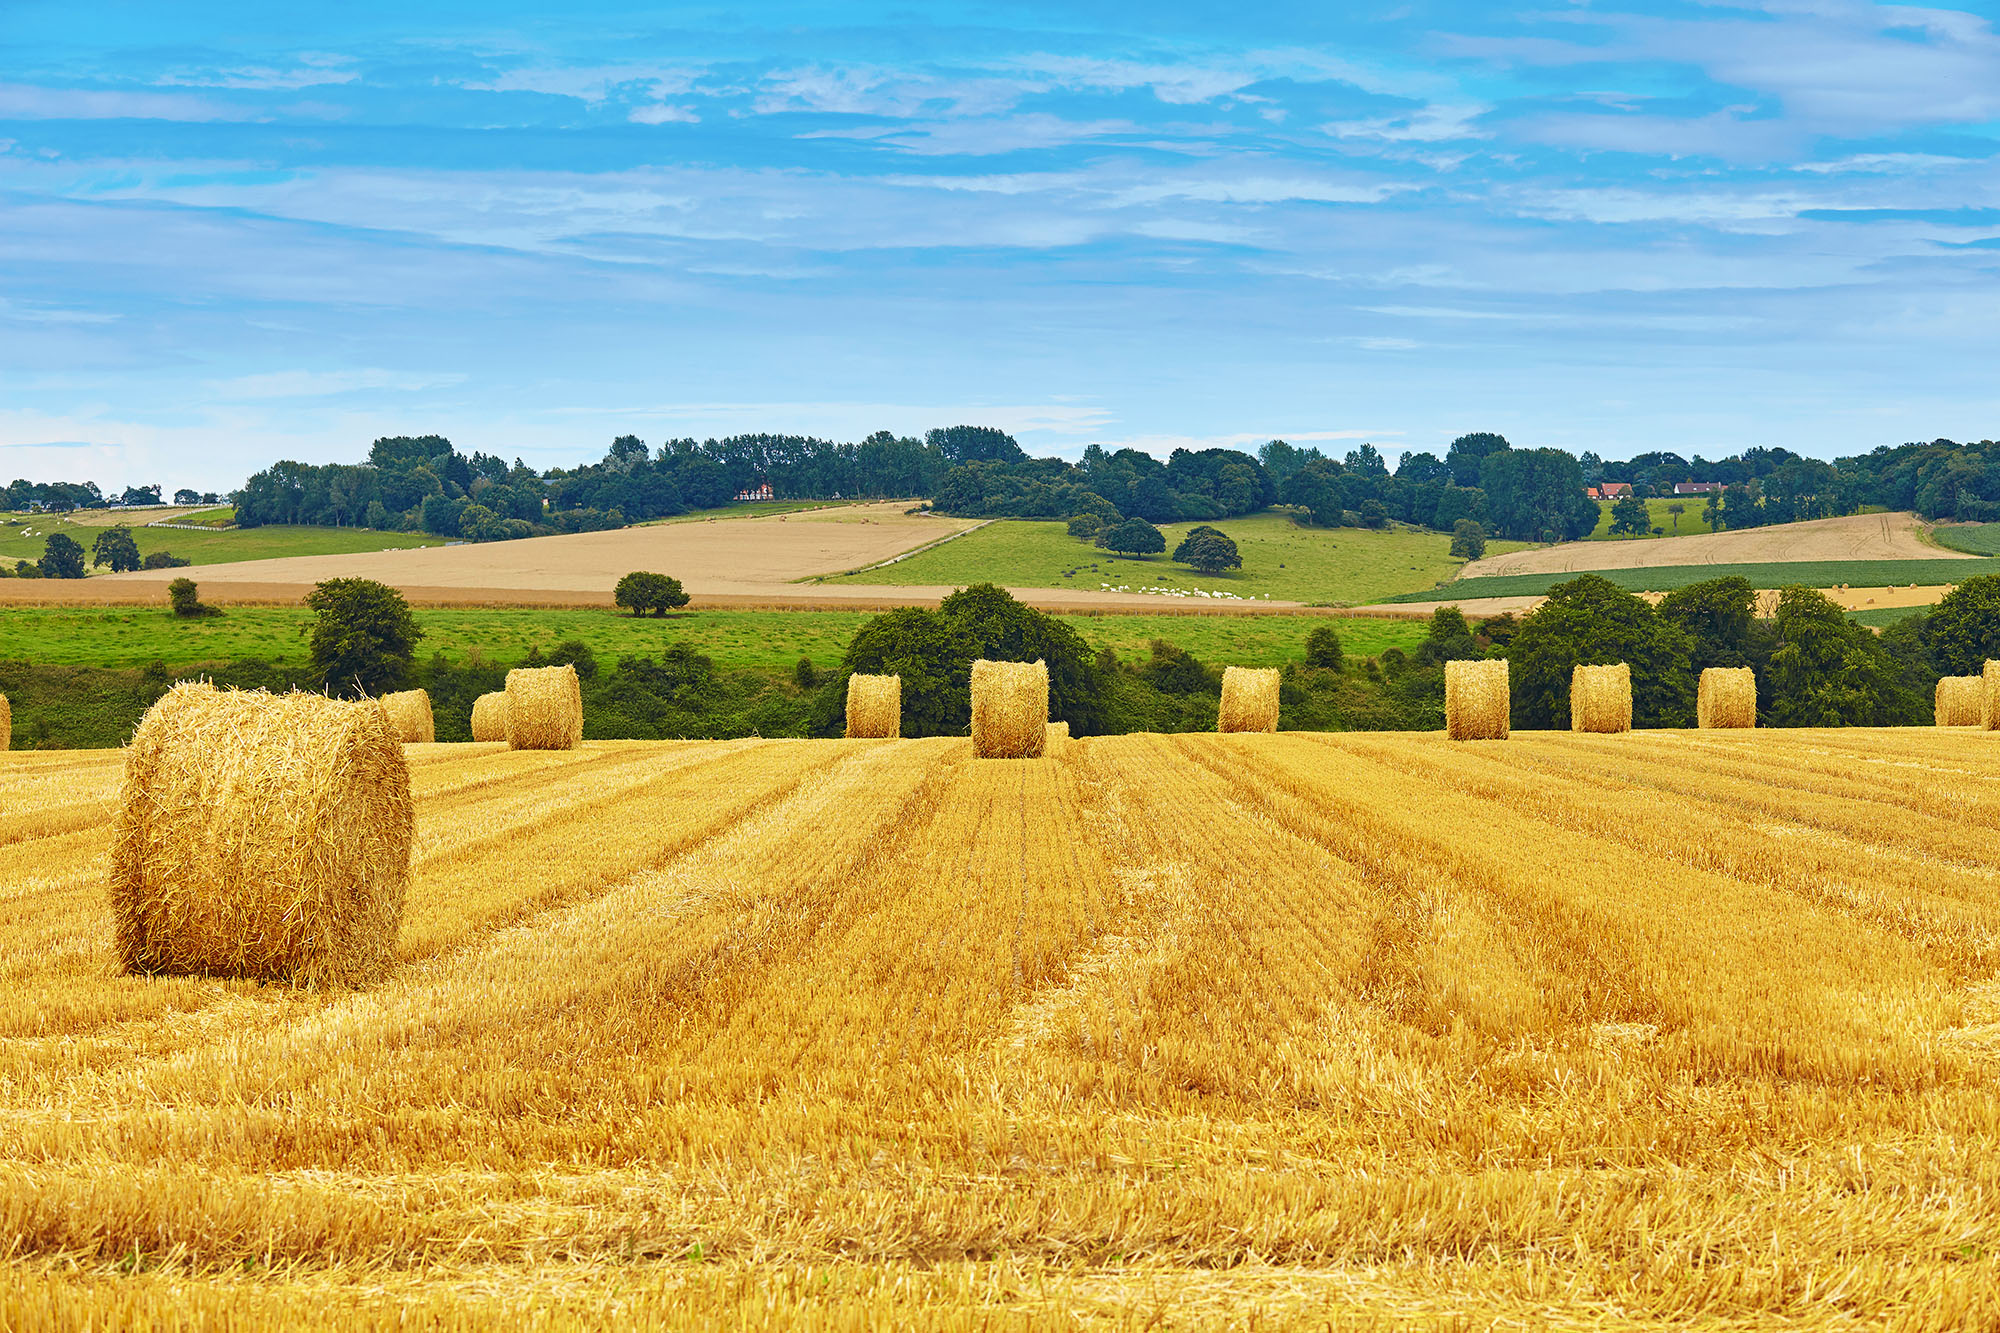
x: 874, y: 707
x: 409, y: 714
x: 544, y: 708
x: 489, y: 716
x: 1476, y: 699
x: 263, y: 836
x: 1725, y: 698
x: 1989, y: 696
x: 1057, y: 739
x: 1249, y: 699
x: 1010, y: 709
x: 6, y: 723
x: 1600, y: 698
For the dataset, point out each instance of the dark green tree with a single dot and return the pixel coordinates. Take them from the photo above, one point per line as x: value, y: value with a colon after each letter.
x: 1590, y: 621
x: 1629, y: 516
x: 1208, y: 549
x: 62, y: 558
x: 1469, y: 452
x: 934, y: 657
x: 185, y: 598
x: 363, y: 638
x: 1468, y: 540
x: 641, y: 593
x: 1963, y: 630
x: 1135, y: 536
x: 1374, y: 514
x: 1323, y: 648
x: 1450, y: 639
x: 1085, y: 526
x: 1830, y: 672
x: 115, y: 547
x: 1719, y: 618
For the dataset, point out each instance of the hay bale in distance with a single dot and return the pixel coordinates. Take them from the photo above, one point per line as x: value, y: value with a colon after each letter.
x: 1010, y: 709
x: 874, y: 707
x: 263, y: 836
x: 1726, y: 697
x: 1249, y: 699
x: 544, y: 708
x: 409, y: 713
x: 1989, y: 696
x: 1476, y: 699
x: 1600, y: 698
x: 489, y: 716
x: 1057, y: 738
x: 1960, y: 702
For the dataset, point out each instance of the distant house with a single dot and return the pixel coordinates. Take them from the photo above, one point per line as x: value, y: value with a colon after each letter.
x: 761, y: 491
x: 1697, y: 487
x: 1608, y: 490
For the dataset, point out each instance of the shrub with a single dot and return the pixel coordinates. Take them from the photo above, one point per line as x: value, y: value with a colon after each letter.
x: 363, y: 637
x: 641, y: 592
x: 1208, y: 550
x: 164, y: 560
x: 1468, y: 540
x: 1323, y: 648
x: 184, y: 597
x: 1135, y: 536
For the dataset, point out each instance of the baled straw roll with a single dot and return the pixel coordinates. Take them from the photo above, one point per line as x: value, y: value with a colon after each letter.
x: 874, y: 706
x: 544, y: 708
x: 263, y: 836
x: 489, y: 716
x: 1249, y: 699
x: 409, y: 713
x: 1476, y: 699
x: 1010, y: 709
x: 1726, y: 698
x: 1600, y: 698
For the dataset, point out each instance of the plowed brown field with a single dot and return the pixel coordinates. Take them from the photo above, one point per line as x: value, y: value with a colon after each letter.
x: 1667, y: 1029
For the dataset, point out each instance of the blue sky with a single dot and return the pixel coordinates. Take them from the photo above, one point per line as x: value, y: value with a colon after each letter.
x: 229, y: 235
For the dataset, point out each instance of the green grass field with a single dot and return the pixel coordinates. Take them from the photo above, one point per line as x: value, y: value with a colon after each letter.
x: 134, y: 636
x: 1665, y: 578
x: 206, y: 548
x: 1318, y: 566
x: 1972, y: 538
x: 1690, y: 522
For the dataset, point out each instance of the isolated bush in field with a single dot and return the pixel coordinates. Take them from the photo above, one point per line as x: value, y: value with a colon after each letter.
x: 1208, y: 550
x: 1830, y: 672
x: 1135, y: 536
x: 1468, y: 540
x: 184, y: 597
x: 804, y: 674
x: 1630, y: 517
x: 163, y: 560
x: 1963, y: 629
x: 115, y: 547
x: 1591, y: 620
x: 363, y: 638
x: 575, y: 653
x: 1085, y: 527
x: 1174, y: 670
x: 62, y: 558
x: 641, y: 593
x: 1323, y: 648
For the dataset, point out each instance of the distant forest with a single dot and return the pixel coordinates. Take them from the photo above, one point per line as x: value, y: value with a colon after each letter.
x: 423, y: 483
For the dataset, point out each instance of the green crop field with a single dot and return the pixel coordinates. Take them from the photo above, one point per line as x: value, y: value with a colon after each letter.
x: 1688, y: 523
x: 1320, y: 566
x: 1665, y: 578
x: 1972, y: 538
x: 206, y: 548
x: 124, y: 636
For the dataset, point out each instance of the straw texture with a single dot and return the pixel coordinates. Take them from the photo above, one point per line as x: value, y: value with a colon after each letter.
x: 1057, y: 739
x: 6, y: 723
x: 544, y: 708
x: 1726, y: 697
x: 1476, y: 699
x: 409, y: 714
x: 489, y: 717
x: 874, y: 706
x: 1249, y: 699
x: 263, y: 836
x: 1600, y: 698
x: 1989, y: 696
x: 1010, y: 709
x: 1960, y: 701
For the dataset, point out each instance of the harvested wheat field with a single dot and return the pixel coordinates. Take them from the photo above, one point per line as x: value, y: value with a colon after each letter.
x: 1665, y: 1029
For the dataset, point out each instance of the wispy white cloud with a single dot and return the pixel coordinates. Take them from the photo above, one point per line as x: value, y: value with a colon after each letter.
x: 23, y: 101
x: 327, y: 383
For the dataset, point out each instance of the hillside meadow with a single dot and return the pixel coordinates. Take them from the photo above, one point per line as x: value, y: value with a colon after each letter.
x: 1659, y: 1030
x: 1281, y: 560
x: 205, y: 548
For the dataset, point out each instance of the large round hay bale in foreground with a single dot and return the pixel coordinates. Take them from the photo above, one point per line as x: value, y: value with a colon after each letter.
x: 1960, y: 701
x: 409, y: 714
x: 544, y: 708
x: 263, y: 836
x: 1600, y: 698
x: 489, y: 717
x: 1476, y: 699
x: 1010, y: 709
x: 1726, y: 697
x: 1249, y: 699
x: 874, y: 707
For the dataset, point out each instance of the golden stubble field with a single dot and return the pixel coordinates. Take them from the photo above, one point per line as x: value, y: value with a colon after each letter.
x: 1657, y: 1029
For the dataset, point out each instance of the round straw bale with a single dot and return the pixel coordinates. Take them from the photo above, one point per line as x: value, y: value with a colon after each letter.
x: 1057, y: 738
x: 263, y: 836
x: 6, y: 723
x: 1959, y: 701
x: 1989, y: 696
x: 1726, y: 697
x: 1476, y: 699
x: 1249, y: 699
x: 1010, y: 709
x: 1600, y: 698
x: 875, y: 706
x: 544, y: 708
x: 409, y: 714
x: 489, y: 717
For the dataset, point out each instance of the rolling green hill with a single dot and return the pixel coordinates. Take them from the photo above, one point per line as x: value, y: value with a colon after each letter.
x: 206, y: 548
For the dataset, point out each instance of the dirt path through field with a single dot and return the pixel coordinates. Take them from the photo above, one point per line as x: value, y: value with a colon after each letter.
x: 1857, y: 537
